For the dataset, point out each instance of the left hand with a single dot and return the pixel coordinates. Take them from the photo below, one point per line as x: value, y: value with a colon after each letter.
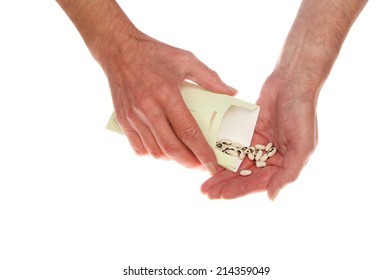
x: 288, y: 120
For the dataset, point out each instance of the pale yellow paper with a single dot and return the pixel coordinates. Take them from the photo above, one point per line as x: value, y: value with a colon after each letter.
x: 219, y: 116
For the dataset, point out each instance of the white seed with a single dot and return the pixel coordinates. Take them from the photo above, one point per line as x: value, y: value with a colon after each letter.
x: 258, y: 155
x: 232, y: 153
x: 260, y: 147
x: 237, y: 145
x: 268, y: 147
x: 264, y: 157
x: 261, y: 164
x: 223, y: 147
x: 272, y: 152
x: 251, y: 156
x: 245, y: 172
x: 226, y: 141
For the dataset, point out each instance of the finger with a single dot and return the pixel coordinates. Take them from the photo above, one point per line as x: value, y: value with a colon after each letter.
x: 167, y: 139
x: 189, y: 133
x: 217, y: 179
x: 286, y: 174
x: 208, y: 79
x: 132, y: 135
x: 135, y: 141
x: 239, y: 186
x: 148, y: 139
x: 133, y: 126
x: 138, y: 134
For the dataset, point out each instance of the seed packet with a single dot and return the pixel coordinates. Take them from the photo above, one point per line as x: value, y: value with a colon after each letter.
x: 219, y: 116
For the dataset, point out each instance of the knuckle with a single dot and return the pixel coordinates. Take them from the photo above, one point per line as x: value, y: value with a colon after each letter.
x: 156, y: 153
x: 139, y: 152
x: 147, y: 110
x: 142, y: 104
x: 188, y: 54
x: 123, y: 122
x: 188, y: 133
x: 214, y: 76
x: 172, y: 150
x: 188, y: 57
x: 152, y: 117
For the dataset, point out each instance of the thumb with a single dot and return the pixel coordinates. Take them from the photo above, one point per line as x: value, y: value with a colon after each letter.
x: 209, y: 79
x: 286, y: 174
x: 277, y: 182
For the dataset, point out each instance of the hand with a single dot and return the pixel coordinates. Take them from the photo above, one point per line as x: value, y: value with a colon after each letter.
x: 145, y: 78
x: 288, y: 120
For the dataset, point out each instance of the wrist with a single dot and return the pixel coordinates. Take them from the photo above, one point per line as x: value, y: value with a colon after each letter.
x: 102, y: 24
x: 315, y: 40
x: 305, y: 65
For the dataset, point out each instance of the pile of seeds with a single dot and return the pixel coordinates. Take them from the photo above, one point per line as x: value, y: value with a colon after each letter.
x: 259, y: 153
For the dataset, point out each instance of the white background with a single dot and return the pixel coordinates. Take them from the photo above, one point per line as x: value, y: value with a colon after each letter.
x: 77, y: 203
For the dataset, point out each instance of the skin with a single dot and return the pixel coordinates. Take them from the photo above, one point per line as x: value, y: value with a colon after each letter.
x: 144, y: 73
x: 289, y: 99
x: 144, y: 77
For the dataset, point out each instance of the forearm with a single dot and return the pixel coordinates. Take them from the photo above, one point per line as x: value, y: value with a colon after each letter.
x: 314, y: 41
x: 101, y: 23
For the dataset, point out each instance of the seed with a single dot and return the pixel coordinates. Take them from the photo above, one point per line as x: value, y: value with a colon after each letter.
x: 237, y: 145
x: 260, y: 147
x: 268, y: 147
x: 264, y: 157
x: 261, y: 164
x: 255, y: 153
x: 258, y: 155
x: 272, y: 152
x: 231, y: 152
x: 245, y: 172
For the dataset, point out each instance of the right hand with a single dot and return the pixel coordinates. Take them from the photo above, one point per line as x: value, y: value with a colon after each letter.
x: 145, y: 76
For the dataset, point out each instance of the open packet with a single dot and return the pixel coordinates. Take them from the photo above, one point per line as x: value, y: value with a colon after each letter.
x: 219, y: 116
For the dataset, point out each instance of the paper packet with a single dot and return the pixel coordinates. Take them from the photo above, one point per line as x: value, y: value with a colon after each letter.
x: 219, y: 116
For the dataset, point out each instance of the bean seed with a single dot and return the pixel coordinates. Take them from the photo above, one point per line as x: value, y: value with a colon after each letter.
x: 237, y: 145
x: 264, y: 157
x: 258, y: 155
x: 245, y: 172
x: 260, y: 147
x: 272, y: 152
x: 231, y: 152
x: 261, y: 164
x: 253, y: 153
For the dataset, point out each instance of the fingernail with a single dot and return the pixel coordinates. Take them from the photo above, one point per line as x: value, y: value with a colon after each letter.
x: 210, y: 168
x: 275, y: 194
